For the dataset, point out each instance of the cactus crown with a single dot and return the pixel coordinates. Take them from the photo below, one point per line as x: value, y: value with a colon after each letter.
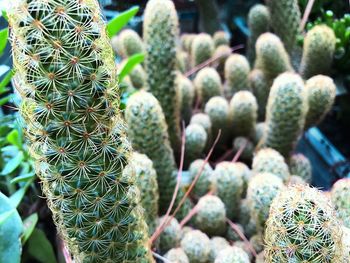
x: 67, y: 78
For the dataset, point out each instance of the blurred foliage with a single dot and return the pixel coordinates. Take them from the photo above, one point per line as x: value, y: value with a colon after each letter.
x: 339, y: 8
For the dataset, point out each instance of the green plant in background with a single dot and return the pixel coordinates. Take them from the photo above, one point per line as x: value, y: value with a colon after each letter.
x: 77, y: 135
x: 258, y: 22
x: 160, y: 33
x: 147, y: 130
x: 302, y: 227
x: 285, y: 113
x: 208, y: 84
x: 318, y: 52
x: 341, y: 28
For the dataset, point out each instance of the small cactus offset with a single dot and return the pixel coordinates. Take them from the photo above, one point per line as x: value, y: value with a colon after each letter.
x: 161, y: 29
x: 319, y: 48
x: 202, y: 48
x: 211, y: 215
x: 268, y: 160
x: 222, y: 53
x: 245, y: 144
x: 300, y: 165
x: 285, y: 113
x: 237, y: 69
x: 66, y: 76
x: 258, y: 22
x: 204, y: 183
x: 271, y: 56
x: 182, y: 61
x: 262, y: 189
x: 302, y: 227
x: 285, y: 21
x: 208, y: 84
x: 186, y: 92
x: 203, y: 120
x: 232, y: 254
x: 196, y: 139
x: 340, y: 195
x: 216, y: 245
x: 129, y: 43
x: 321, y: 92
x: 243, y: 113
x: 221, y: 38
x: 170, y: 236
x: 260, y: 86
x: 228, y: 183
x: 196, y: 245
x: 146, y: 181
x: 258, y: 134
x: 186, y: 41
x: 232, y: 235
x: 138, y: 77
x: 148, y: 134
x: 177, y: 255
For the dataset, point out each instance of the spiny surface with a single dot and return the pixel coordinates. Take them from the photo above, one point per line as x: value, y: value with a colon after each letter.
x: 196, y: 245
x: 232, y: 255
x: 68, y: 82
x: 196, y: 139
x: 171, y: 235
x: 203, y: 184
x: 208, y: 84
x: 340, y: 195
x: 300, y: 165
x: 130, y: 43
x: 186, y: 92
x: 202, y: 48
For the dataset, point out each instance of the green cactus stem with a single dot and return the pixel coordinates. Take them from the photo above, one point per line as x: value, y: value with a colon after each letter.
x: 177, y: 255
x: 232, y: 254
x: 196, y: 139
x: 170, y: 236
x: 203, y: 120
x: 216, y: 245
x: 129, y: 43
x: 186, y: 92
x: 300, y: 165
x: 340, y: 195
x: 202, y: 48
x: 221, y: 38
x: 204, y: 182
x: 208, y: 84
x: 196, y: 245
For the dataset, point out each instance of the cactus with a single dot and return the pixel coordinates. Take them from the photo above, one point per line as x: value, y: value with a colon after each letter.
x: 243, y: 245
x: 203, y: 184
x: 171, y: 235
x: 211, y: 215
x: 340, y: 195
x: 228, y: 183
x: 216, y: 245
x: 285, y: 113
x: 186, y: 41
x: 319, y: 48
x: 285, y: 21
x: 182, y: 61
x: 138, y: 77
x: 196, y: 139
x: 302, y: 228
x: 243, y: 169
x: 248, y: 150
x: 146, y: 181
x: 148, y: 134
x: 202, y: 48
x: 346, y: 243
x: 66, y: 75
x: 116, y: 46
x: 208, y: 84
x: 217, y: 109
x: 223, y: 52
x: 244, y: 219
x: 160, y: 29
x: 176, y: 255
x: 196, y: 245
x: 186, y: 92
x: 237, y: 69
x: 129, y: 43
x: 221, y: 38
x: 268, y: 160
x: 203, y: 120
x: 260, y: 258
x: 262, y: 189
x: 258, y: 22
x: 271, y: 56
x: 260, y: 86
x: 300, y: 165
x: 321, y: 92
x: 232, y: 235
x: 257, y: 242
x: 259, y: 132
x: 243, y: 113
x: 295, y: 180
x: 232, y: 254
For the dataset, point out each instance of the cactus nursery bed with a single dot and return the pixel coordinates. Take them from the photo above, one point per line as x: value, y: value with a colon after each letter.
x: 166, y: 145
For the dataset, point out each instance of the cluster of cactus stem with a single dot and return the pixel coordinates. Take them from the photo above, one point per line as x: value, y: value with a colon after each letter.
x: 110, y: 178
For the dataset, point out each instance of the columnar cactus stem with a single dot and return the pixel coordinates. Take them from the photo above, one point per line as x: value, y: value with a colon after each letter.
x: 300, y: 165
x: 161, y: 30
x: 208, y: 84
x: 196, y: 139
x: 204, y: 182
x: 340, y: 195
x: 67, y: 78
x: 129, y: 43
x: 186, y: 92
x: 232, y: 254
x: 202, y: 48
x: 196, y: 245
x: 221, y: 38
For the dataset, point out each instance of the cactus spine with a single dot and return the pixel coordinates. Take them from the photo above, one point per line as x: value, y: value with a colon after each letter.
x: 202, y: 48
x: 160, y: 29
x: 243, y: 113
x: 300, y: 165
x: 302, y: 228
x: 285, y: 113
x: 67, y: 78
x: 148, y: 134
x: 203, y: 120
x: 237, y: 69
x: 208, y: 84
x: 130, y: 43
x: 258, y: 22
x: 196, y: 245
x: 321, y: 92
x: 319, y: 47
x: 196, y: 139
x: 340, y: 195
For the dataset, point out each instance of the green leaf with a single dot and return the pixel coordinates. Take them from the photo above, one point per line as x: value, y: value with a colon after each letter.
x: 10, y: 232
x: 4, y: 14
x: 23, y: 178
x: 29, y: 224
x: 130, y: 64
x: 117, y: 23
x: 13, y: 163
x: 4, y: 216
x: 3, y: 39
x: 17, y: 197
x: 40, y: 248
x: 14, y: 138
x: 4, y: 100
x: 5, y: 81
